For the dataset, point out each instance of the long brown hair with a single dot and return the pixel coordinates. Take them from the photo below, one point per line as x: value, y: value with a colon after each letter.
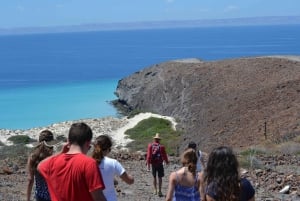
x: 189, y: 159
x: 102, y: 143
x: 222, y: 171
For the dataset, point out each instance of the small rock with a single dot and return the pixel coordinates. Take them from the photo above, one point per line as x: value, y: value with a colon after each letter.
x: 279, y: 180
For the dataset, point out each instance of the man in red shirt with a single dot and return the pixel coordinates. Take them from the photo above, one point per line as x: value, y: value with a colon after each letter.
x: 156, y: 155
x: 71, y: 175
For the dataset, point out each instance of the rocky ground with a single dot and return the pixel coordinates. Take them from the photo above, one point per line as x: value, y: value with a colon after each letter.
x: 274, y: 174
x: 269, y: 173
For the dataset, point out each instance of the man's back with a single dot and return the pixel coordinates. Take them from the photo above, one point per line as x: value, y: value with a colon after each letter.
x: 162, y: 153
x: 71, y: 177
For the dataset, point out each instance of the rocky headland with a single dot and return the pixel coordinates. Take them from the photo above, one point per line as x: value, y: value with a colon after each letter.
x: 238, y: 102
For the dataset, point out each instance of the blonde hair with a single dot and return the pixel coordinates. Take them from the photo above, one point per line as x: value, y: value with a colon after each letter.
x: 189, y: 159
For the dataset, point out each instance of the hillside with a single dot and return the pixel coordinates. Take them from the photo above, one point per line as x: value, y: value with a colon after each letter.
x: 238, y: 102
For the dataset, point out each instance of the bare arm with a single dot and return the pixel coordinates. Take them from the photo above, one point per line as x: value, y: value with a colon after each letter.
x: 127, y: 178
x: 98, y: 195
x: 201, y: 185
x: 30, y: 179
x: 208, y: 198
x: 171, y: 188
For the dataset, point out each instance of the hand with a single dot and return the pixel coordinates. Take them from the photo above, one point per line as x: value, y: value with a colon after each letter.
x: 66, y: 148
x: 148, y: 167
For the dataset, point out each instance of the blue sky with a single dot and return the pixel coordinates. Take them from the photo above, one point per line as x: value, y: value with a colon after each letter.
x: 32, y: 13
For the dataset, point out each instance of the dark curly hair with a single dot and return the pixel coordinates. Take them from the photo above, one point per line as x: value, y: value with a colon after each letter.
x: 40, y: 152
x: 222, y: 172
x: 101, y: 144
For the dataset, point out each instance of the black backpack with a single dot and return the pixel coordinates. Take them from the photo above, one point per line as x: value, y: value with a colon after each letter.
x: 156, y: 154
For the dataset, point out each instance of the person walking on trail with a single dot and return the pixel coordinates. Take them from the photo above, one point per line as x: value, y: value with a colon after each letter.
x: 109, y: 167
x: 72, y: 175
x: 200, y: 155
x: 156, y: 156
x: 185, y: 184
x: 42, y: 150
x: 222, y: 178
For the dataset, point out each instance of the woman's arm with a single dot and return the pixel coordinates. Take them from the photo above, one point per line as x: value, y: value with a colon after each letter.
x: 201, y: 186
x: 171, y: 187
x: 208, y: 198
x: 30, y: 179
x: 127, y: 178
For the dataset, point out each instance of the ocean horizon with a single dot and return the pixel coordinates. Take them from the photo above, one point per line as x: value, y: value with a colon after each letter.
x: 49, y: 78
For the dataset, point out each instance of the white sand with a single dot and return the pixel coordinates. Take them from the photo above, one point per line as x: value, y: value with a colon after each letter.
x: 114, y: 127
x: 119, y: 137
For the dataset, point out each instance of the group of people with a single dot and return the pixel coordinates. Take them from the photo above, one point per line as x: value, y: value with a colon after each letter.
x: 72, y: 175
x: 216, y: 180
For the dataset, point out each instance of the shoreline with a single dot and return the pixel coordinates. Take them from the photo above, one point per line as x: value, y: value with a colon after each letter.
x: 112, y: 126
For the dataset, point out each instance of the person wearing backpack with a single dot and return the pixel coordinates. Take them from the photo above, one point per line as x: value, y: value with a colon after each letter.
x: 156, y: 155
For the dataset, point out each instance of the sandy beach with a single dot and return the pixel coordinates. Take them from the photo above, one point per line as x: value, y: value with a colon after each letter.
x: 114, y: 127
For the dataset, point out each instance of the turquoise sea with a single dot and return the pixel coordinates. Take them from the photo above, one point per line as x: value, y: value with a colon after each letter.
x: 48, y: 78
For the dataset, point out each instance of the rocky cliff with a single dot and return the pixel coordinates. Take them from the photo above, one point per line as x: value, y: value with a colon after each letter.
x: 238, y: 102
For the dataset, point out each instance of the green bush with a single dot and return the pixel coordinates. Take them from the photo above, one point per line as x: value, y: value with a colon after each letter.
x: 143, y: 133
x: 20, y: 139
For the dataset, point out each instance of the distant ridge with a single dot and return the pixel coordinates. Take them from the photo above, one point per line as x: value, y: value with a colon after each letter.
x: 270, y: 20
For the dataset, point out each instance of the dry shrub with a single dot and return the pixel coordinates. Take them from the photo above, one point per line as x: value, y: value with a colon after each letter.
x: 248, y: 158
x: 289, y: 148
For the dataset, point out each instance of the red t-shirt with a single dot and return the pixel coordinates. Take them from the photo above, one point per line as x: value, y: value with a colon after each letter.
x: 71, y: 177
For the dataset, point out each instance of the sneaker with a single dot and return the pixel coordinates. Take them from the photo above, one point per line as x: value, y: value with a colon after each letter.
x: 155, y: 192
x: 160, y: 194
